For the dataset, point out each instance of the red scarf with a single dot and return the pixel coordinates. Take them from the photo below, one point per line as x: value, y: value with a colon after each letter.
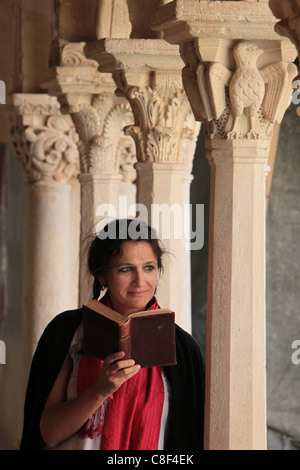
x: 132, y: 419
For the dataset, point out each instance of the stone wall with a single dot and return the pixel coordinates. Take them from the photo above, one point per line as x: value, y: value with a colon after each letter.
x: 283, y: 289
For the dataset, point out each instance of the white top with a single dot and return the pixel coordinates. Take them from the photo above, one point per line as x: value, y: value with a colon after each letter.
x: 75, y: 442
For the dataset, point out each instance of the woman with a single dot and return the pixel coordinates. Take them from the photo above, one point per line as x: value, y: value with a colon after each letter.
x: 75, y: 401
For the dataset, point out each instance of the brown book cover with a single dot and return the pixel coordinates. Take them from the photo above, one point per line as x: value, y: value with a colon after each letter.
x: 148, y: 337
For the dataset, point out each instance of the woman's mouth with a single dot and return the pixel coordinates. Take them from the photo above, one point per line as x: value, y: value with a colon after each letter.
x: 138, y: 293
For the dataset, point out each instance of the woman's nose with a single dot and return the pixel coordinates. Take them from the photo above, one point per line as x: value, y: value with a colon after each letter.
x: 138, y: 277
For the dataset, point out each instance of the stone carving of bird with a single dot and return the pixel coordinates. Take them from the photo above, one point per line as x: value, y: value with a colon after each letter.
x: 250, y: 90
x: 246, y: 88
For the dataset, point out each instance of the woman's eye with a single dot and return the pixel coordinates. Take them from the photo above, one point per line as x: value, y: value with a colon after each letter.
x: 126, y: 269
x: 149, y: 268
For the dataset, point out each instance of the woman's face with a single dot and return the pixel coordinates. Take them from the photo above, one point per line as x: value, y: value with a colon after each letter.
x: 132, y: 279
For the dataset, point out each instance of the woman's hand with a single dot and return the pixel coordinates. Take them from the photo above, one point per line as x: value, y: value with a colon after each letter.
x: 62, y: 418
x: 114, y: 373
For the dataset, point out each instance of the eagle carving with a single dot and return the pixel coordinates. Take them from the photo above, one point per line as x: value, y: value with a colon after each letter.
x: 251, y: 91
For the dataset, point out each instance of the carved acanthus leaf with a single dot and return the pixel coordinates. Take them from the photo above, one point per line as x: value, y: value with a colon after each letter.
x: 147, y: 105
x: 161, y: 144
x: 138, y: 137
x: 115, y: 120
x: 177, y: 109
x: 159, y: 114
x: 99, y: 126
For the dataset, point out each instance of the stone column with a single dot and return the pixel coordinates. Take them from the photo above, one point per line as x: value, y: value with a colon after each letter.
x: 238, y: 80
x: 147, y: 73
x: 98, y: 115
x: 45, y: 144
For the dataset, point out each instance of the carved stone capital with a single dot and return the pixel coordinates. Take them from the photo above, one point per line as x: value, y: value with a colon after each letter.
x: 100, y: 126
x: 99, y: 116
x: 148, y: 74
x: 160, y: 115
x: 237, y: 87
x: 45, y: 145
x: 76, y: 78
x: 242, y: 102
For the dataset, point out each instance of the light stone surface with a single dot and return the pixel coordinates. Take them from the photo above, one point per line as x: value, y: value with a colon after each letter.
x: 165, y: 87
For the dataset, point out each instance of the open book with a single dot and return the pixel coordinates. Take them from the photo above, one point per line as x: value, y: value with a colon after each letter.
x: 148, y: 337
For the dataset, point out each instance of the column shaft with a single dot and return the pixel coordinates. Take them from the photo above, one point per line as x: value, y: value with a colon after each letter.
x: 235, y: 403
x: 47, y: 289
x: 160, y: 190
x: 97, y: 191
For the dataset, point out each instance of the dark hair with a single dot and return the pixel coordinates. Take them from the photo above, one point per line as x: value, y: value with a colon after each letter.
x: 108, y: 243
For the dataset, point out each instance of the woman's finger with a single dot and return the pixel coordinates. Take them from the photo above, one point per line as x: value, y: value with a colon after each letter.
x: 111, y: 358
x: 114, y: 362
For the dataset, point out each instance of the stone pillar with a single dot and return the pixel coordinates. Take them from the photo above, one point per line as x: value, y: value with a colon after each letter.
x: 98, y: 115
x: 235, y: 388
x: 45, y: 144
x: 238, y: 81
x: 147, y: 73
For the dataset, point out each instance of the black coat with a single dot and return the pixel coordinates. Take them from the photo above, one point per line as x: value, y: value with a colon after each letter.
x: 185, y: 431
